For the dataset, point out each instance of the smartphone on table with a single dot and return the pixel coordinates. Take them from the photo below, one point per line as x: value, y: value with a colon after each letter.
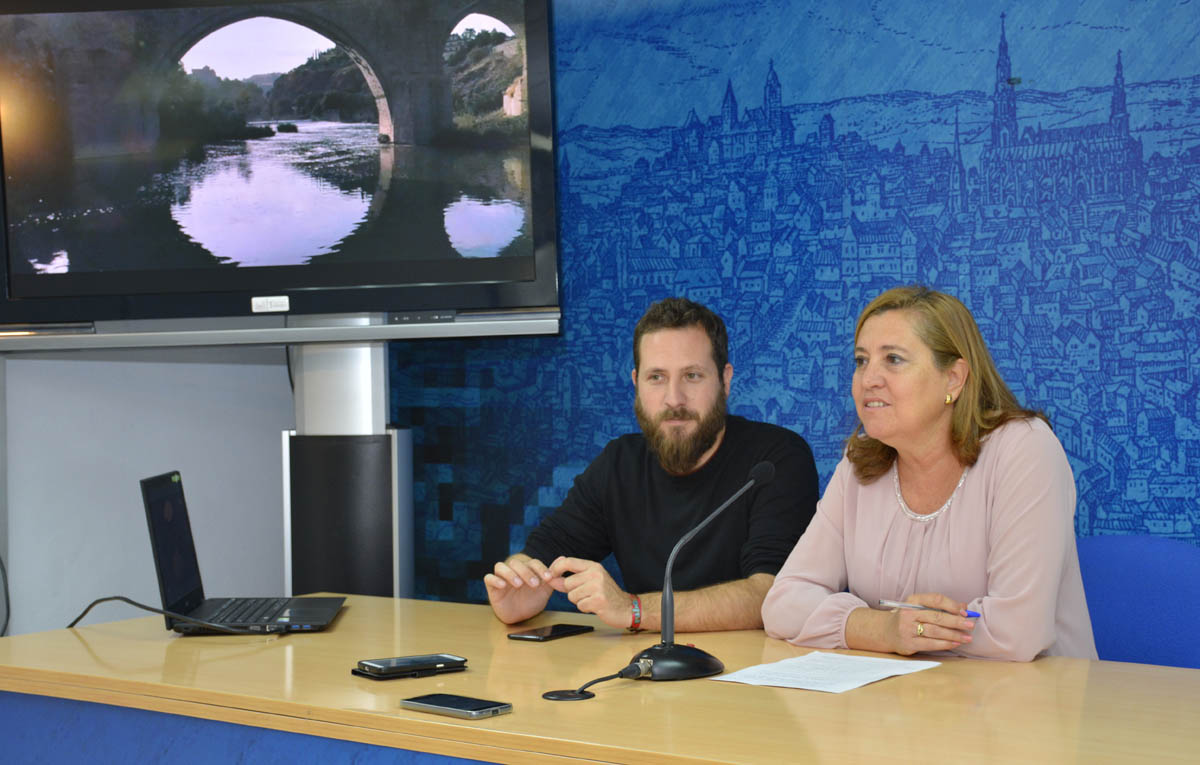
x: 410, y: 666
x: 551, y: 632
x: 456, y: 706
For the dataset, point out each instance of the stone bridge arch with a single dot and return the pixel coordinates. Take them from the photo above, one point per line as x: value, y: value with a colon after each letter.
x: 103, y: 61
x: 397, y: 45
x: 206, y: 22
x: 511, y: 12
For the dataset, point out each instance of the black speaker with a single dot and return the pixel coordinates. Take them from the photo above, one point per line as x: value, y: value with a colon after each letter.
x: 342, y: 514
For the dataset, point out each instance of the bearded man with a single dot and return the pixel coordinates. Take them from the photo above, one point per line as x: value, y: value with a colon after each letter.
x: 648, y: 489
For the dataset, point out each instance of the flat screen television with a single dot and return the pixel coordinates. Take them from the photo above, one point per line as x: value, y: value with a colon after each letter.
x: 377, y: 177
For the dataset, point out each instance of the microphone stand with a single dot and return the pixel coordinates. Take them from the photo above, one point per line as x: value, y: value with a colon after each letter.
x: 669, y: 660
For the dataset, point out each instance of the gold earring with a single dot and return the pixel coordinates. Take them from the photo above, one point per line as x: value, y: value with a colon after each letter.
x: 949, y: 399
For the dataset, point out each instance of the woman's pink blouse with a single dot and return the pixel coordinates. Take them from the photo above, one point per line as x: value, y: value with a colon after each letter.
x: 1005, y: 546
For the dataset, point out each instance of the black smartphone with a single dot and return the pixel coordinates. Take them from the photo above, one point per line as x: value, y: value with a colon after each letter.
x: 456, y: 706
x: 410, y: 666
x: 552, y: 632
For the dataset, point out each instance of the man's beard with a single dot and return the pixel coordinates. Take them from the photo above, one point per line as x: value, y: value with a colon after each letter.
x: 678, y: 454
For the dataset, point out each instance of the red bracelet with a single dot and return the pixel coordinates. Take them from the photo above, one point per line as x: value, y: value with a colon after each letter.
x: 635, y: 604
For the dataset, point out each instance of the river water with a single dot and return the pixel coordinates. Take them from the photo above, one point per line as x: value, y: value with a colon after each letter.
x: 329, y: 193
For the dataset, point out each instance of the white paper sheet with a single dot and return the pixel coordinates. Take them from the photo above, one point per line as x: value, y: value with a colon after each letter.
x: 829, y: 672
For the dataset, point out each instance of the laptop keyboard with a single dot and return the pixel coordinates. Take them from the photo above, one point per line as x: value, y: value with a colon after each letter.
x: 249, y: 610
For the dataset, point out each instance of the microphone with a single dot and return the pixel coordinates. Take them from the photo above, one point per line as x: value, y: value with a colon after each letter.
x: 668, y: 660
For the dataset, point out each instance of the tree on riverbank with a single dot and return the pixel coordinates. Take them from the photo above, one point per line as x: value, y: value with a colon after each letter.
x: 203, y: 108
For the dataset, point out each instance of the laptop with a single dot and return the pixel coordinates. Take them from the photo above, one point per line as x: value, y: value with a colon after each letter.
x: 179, y: 576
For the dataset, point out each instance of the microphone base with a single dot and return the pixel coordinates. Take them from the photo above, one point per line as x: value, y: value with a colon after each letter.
x: 567, y: 695
x: 672, y: 661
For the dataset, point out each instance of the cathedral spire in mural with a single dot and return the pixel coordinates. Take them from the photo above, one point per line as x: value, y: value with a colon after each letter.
x: 1105, y: 162
x: 1119, y: 117
x: 958, y: 174
x: 1004, y: 99
x: 772, y: 94
x: 729, y: 110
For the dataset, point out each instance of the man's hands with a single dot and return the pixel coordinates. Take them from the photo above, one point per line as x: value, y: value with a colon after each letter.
x: 592, y: 590
x: 519, y: 587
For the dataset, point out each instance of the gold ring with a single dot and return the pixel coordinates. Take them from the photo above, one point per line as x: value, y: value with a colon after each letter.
x: 920, y: 629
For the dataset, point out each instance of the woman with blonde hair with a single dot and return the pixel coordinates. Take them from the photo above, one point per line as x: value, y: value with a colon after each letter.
x: 951, y: 500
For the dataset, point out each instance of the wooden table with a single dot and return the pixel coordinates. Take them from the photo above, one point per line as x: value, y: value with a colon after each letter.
x: 1051, y: 710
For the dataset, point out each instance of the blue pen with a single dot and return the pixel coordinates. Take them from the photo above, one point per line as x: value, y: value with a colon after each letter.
x: 915, y: 607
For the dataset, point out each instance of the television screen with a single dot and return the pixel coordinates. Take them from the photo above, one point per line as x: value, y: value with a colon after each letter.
x: 186, y: 159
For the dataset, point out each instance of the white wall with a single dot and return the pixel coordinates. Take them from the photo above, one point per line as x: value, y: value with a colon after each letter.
x: 82, y: 429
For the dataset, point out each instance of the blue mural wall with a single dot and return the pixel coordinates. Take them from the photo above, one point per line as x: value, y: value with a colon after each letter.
x: 785, y: 161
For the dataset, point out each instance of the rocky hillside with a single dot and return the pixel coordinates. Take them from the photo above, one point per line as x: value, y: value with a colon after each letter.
x: 328, y: 86
x: 482, y: 76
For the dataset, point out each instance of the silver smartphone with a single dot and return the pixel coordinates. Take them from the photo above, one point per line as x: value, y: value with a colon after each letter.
x: 456, y: 706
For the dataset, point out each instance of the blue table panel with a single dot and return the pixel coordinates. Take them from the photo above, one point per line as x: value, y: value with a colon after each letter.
x: 41, y: 729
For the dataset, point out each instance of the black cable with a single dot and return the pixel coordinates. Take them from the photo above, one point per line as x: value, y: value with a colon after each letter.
x: 180, y: 617
x: 637, y: 669
x: 287, y: 358
x: 287, y: 355
x: 589, y: 684
x: 7, y: 601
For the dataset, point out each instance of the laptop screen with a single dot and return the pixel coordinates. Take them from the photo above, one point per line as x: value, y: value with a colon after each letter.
x: 171, y: 541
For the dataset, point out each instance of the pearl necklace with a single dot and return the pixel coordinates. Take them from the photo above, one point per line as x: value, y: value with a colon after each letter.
x: 929, y: 516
